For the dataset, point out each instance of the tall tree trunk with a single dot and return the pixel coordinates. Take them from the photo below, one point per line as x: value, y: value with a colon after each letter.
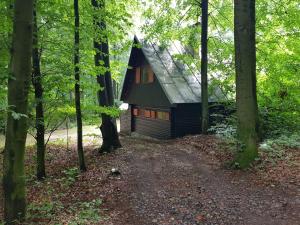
x: 245, y: 64
x: 39, y: 109
x: 18, y: 87
x: 77, y: 89
x: 204, y: 90
x: 105, y: 96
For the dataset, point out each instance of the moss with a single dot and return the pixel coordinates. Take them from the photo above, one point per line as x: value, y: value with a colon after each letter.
x: 247, y: 153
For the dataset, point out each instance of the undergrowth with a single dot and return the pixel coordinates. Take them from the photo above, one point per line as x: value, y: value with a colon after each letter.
x: 276, y: 144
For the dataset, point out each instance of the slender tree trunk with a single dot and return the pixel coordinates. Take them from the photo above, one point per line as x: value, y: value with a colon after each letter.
x: 204, y: 90
x: 77, y: 89
x: 105, y: 96
x: 245, y: 64
x: 39, y: 109
x: 18, y: 87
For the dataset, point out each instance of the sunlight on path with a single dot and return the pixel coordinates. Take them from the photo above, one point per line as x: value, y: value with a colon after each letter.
x: 91, y: 136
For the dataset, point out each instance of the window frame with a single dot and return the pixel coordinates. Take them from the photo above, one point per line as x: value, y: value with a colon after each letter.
x: 151, y: 114
x: 137, y: 78
x: 144, y: 74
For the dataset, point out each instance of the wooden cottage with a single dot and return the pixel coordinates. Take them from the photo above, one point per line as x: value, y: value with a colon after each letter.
x: 164, y: 94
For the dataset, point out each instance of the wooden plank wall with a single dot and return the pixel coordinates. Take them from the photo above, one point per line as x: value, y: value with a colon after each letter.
x: 186, y: 119
x: 160, y: 129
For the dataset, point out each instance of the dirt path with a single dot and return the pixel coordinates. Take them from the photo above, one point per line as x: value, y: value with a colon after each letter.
x: 163, y: 183
x: 177, y: 182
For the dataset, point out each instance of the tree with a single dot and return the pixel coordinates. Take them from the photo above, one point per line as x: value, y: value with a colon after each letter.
x: 245, y: 64
x: 105, y: 96
x: 39, y: 107
x: 77, y: 89
x: 204, y: 90
x: 16, y: 130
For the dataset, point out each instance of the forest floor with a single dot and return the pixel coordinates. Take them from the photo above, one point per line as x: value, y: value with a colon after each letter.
x: 176, y: 182
x: 91, y: 134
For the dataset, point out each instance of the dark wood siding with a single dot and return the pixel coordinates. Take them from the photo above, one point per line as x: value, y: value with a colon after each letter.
x: 125, y: 122
x: 156, y: 128
x: 186, y: 120
x: 160, y: 129
x: 147, y: 95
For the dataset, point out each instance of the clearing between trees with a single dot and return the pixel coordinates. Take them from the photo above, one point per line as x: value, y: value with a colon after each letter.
x: 181, y: 181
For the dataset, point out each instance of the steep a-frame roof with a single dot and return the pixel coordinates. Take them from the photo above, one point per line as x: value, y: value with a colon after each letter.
x: 180, y: 82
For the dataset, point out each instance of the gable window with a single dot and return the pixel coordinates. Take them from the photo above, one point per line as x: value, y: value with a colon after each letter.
x: 138, y: 75
x: 150, y: 75
x: 144, y: 75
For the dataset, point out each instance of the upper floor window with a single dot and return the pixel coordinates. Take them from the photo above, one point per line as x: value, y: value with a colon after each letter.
x: 138, y: 75
x: 144, y: 75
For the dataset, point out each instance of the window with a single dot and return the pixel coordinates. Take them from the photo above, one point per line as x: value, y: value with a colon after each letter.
x: 167, y: 116
x: 153, y: 114
x: 147, y: 113
x: 135, y: 112
x: 142, y: 112
x: 137, y: 75
x: 163, y: 115
x: 144, y: 75
x: 150, y: 75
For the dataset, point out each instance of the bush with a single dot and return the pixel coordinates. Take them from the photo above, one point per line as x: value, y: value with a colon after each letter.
x: 275, y: 123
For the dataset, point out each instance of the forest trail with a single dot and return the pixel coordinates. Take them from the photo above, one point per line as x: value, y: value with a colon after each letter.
x: 168, y: 183
x: 175, y: 182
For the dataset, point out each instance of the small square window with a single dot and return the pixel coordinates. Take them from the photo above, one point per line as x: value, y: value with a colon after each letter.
x: 147, y: 113
x: 135, y: 112
x: 142, y: 112
x: 153, y: 114
x: 163, y: 115
x: 167, y: 116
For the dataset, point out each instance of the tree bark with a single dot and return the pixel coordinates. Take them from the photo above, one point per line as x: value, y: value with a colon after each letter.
x: 18, y: 88
x: 204, y: 90
x: 245, y: 64
x: 39, y: 108
x: 105, y: 96
x: 77, y: 89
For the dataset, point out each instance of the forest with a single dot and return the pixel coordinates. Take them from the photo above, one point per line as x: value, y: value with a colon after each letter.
x: 110, y: 112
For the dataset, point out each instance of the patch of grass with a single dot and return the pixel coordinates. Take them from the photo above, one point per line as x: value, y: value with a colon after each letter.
x: 71, y: 175
x: 43, y: 210
x: 86, y: 212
